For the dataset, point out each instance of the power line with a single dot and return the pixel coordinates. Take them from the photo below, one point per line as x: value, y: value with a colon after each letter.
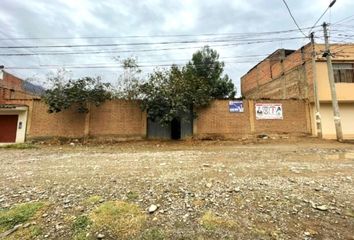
x: 109, y: 64
x: 329, y: 6
x: 103, y: 66
x: 146, y: 43
x: 155, y: 36
x: 344, y: 20
x: 297, y: 25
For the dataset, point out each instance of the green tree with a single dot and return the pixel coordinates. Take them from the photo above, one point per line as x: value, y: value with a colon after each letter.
x: 206, y: 68
x: 65, y: 93
x: 176, y: 92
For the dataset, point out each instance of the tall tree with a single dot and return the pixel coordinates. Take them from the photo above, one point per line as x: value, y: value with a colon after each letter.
x: 176, y: 92
x: 206, y: 67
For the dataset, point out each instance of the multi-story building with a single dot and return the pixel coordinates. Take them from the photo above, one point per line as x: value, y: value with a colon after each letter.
x: 291, y: 74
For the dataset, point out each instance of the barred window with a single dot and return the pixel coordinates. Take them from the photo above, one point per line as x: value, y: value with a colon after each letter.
x: 343, y: 72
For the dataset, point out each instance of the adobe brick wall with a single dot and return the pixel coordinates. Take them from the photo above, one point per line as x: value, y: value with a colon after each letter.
x: 118, y: 118
x: 217, y: 121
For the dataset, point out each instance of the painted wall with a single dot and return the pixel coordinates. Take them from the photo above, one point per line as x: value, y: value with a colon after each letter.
x: 347, y: 117
x: 22, y: 113
x: 345, y: 91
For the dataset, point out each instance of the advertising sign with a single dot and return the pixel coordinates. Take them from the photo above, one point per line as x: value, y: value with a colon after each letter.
x: 235, y: 106
x: 269, y: 111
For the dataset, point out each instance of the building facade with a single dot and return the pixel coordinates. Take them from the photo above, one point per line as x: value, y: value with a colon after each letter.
x: 292, y: 74
x: 13, y: 113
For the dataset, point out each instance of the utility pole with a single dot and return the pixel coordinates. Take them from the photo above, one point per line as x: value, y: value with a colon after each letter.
x: 327, y: 54
x: 315, y: 88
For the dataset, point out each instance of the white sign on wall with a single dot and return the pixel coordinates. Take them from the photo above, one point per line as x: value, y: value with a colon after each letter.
x: 269, y: 111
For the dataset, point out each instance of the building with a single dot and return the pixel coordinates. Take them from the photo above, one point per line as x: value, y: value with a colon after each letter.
x: 291, y: 74
x: 13, y: 113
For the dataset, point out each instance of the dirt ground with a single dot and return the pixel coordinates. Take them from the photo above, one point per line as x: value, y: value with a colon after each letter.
x: 296, y: 188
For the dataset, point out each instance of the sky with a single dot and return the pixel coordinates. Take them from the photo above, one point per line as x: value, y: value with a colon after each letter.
x: 155, y: 32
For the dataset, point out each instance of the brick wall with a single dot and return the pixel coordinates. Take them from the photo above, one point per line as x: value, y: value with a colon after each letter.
x: 11, y: 82
x: 11, y: 87
x: 117, y: 118
x: 216, y: 120
x: 67, y: 123
x: 295, y: 118
x: 275, y: 78
x: 124, y: 119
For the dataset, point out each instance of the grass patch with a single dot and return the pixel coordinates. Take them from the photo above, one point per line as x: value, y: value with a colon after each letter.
x: 132, y: 196
x: 19, y: 146
x: 35, y: 231
x: 93, y: 200
x: 80, y: 226
x: 153, y: 234
x: 32, y: 232
x: 118, y: 219
x: 210, y: 221
x: 18, y: 214
x: 81, y: 223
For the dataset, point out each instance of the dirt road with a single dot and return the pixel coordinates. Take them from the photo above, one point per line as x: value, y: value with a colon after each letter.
x: 272, y: 189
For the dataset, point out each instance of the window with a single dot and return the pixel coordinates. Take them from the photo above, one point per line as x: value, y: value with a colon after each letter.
x: 343, y: 72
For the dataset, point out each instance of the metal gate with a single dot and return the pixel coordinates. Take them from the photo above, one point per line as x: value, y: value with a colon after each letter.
x: 178, y: 129
x: 8, y: 128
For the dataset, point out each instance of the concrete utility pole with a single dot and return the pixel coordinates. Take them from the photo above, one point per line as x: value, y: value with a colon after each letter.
x: 315, y: 89
x: 327, y: 54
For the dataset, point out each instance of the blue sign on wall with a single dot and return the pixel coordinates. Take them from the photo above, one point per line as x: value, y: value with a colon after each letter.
x: 235, y: 106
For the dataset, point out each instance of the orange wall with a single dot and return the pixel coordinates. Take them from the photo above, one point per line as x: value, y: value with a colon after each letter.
x: 117, y: 118
x: 216, y: 120
x: 67, y: 123
x: 120, y: 118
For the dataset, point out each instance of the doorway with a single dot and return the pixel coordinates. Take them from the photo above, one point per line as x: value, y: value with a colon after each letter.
x: 176, y: 129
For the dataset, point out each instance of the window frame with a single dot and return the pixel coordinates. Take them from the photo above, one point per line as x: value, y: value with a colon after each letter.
x: 343, y: 74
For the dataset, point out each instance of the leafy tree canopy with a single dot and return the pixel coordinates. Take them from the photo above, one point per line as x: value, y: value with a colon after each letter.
x: 165, y: 94
x: 174, y: 93
x: 206, y: 67
x: 79, y: 93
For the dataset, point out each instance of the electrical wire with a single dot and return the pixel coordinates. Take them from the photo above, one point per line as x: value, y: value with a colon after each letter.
x: 291, y: 15
x: 157, y: 36
x: 329, y: 6
x: 145, y: 43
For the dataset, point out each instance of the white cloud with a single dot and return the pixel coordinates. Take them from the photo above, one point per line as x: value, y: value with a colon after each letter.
x: 69, y: 18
